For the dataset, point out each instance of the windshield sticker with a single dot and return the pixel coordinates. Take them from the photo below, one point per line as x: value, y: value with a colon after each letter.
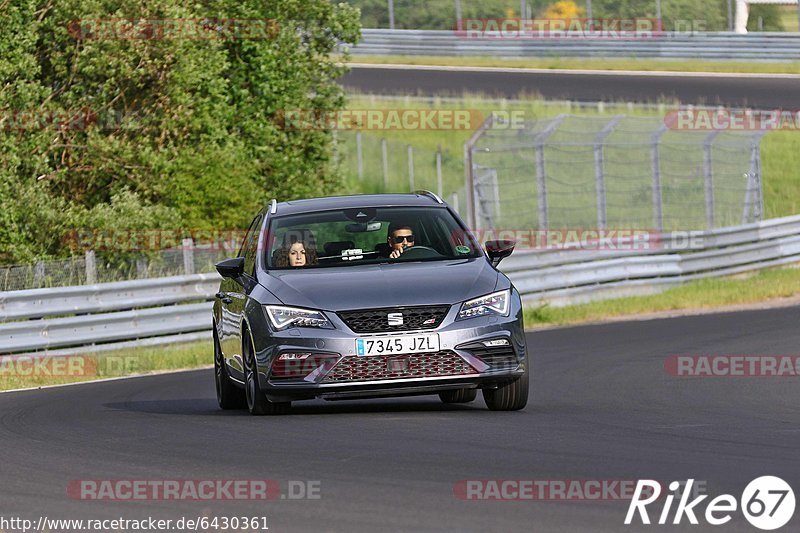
x: 462, y: 249
x: 352, y: 254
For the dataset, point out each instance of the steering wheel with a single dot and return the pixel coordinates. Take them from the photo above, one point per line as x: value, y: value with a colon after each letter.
x: 419, y: 252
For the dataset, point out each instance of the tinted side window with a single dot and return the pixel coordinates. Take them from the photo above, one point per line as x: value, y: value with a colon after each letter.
x: 243, y: 247
x: 251, y: 247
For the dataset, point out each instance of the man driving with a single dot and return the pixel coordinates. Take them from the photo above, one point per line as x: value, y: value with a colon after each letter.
x: 400, y: 237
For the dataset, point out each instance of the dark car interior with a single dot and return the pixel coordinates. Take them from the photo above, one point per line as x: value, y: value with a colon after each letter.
x: 339, y: 241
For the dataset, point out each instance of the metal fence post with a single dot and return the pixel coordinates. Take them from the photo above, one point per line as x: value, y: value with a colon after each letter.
x: 188, y: 256
x: 359, y: 156
x: 91, y: 267
x: 469, y: 172
x: 541, y: 172
x: 541, y: 187
x: 600, y: 181
x: 730, y: 15
x: 411, y: 168
x: 439, y: 181
x: 747, y: 194
x: 759, y: 214
x: 385, y: 154
x: 141, y: 267
x: 38, y: 273
x: 753, y: 207
x: 708, y: 174
x: 391, y: 14
x: 655, y: 160
x: 469, y: 181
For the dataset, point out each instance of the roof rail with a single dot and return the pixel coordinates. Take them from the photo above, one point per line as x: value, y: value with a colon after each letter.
x: 273, y: 207
x: 429, y: 194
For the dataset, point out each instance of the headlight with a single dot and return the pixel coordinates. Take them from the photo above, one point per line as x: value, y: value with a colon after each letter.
x: 283, y: 317
x: 496, y: 303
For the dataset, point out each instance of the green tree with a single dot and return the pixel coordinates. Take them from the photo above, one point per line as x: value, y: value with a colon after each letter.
x: 770, y: 15
x: 180, y: 132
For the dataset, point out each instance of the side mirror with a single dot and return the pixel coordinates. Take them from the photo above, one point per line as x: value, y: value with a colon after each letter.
x: 231, y: 268
x: 499, y: 250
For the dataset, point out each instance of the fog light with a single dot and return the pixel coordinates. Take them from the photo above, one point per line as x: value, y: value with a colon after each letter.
x: 496, y: 342
x: 293, y: 356
x: 298, y: 365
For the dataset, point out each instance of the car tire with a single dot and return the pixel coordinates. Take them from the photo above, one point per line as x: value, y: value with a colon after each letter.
x: 229, y: 396
x: 458, y: 396
x: 510, y: 397
x: 257, y: 402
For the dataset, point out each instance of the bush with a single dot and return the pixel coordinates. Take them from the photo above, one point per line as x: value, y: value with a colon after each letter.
x: 149, y: 131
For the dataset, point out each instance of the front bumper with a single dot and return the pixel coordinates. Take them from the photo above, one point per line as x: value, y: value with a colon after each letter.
x: 461, y: 363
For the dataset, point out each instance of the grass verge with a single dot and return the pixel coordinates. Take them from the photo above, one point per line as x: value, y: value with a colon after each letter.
x: 22, y: 373
x: 704, y: 294
x: 590, y: 64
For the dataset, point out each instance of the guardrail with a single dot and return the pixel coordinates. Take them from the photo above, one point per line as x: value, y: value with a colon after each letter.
x: 100, y: 315
x: 718, y: 45
x: 153, y: 311
x: 59, y: 301
x: 563, y: 277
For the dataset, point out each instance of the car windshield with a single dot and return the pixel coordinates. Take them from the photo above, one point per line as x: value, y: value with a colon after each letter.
x: 361, y: 236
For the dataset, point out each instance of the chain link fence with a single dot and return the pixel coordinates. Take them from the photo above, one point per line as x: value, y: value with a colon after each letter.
x: 374, y: 164
x: 104, y: 267
x: 565, y: 172
x: 614, y: 172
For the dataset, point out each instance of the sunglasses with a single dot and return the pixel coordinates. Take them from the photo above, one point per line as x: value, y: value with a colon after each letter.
x: 398, y: 240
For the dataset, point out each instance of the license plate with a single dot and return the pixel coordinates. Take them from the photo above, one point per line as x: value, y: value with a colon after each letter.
x: 397, y: 344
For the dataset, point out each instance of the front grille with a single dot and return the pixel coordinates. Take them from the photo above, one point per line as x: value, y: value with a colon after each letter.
x: 377, y: 320
x: 420, y: 365
x: 497, y: 357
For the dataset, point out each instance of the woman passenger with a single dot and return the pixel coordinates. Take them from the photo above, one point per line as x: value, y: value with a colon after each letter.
x: 295, y: 253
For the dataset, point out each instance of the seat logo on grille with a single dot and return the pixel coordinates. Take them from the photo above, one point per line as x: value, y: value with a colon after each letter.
x: 395, y: 319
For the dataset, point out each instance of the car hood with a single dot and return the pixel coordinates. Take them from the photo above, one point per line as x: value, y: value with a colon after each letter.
x: 383, y: 285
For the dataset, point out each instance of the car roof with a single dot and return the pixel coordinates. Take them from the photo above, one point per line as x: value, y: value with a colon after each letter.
x: 311, y: 205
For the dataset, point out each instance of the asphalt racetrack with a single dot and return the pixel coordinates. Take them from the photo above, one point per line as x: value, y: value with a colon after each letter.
x: 755, y: 91
x: 602, y: 408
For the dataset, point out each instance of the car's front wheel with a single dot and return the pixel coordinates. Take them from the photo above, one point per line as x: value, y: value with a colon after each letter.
x: 458, y: 396
x: 257, y: 402
x: 229, y: 396
x: 510, y: 397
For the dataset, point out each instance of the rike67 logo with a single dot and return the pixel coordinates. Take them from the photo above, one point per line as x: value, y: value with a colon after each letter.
x: 767, y: 503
